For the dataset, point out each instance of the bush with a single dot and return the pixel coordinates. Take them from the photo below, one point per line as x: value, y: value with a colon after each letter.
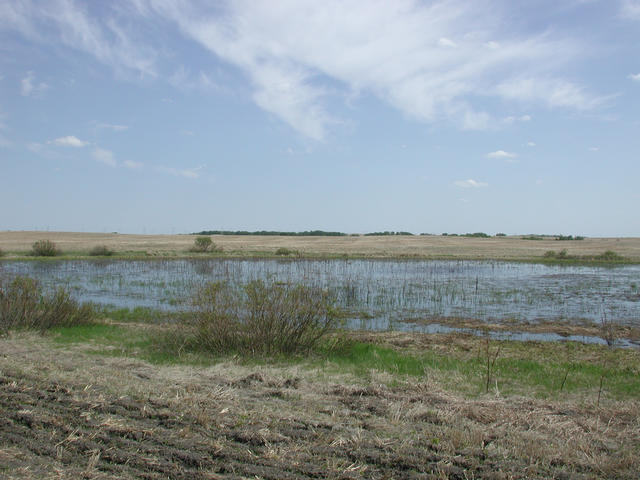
x: 260, y: 318
x: 204, y: 244
x: 44, y: 248
x: 284, y: 251
x: 609, y: 255
x: 501, y: 234
x: 23, y: 304
x: 100, y: 251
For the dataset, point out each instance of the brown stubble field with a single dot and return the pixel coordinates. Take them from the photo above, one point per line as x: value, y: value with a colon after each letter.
x: 68, y: 413
x: 499, y: 248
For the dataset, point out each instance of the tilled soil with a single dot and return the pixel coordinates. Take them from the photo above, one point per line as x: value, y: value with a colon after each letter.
x: 135, y: 420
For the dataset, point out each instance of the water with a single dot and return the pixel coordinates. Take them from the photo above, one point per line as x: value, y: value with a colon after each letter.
x: 379, y: 293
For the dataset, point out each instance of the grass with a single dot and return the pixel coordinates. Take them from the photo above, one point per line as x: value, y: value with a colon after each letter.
x: 531, y: 369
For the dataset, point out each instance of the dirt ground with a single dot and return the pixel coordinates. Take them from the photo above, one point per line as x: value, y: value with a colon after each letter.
x: 508, y: 248
x: 68, y: 413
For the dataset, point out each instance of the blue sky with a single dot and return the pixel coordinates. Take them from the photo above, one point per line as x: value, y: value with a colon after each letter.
x: 158, y: 116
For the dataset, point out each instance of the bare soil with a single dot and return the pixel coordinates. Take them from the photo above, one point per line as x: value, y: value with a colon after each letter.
x: 425, y: 246
x: 66, y: 412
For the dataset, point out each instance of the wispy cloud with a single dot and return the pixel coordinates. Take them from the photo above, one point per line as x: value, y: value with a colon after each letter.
x: 635, y: 77
x: 72, y: 23
x: 132, y: 165
x: 30, y: 87
x: 191, y: 173
x: 630, y: 9
x: 69, y: 141
x: 393, y: 50
x: 531, y: 144
x: 470, y: 184
x: 522, y: 118
x: 501, y: 154
x: 115, y: 128
x: 594, y: 149
x: 433, y: 61
x: 104, y: 156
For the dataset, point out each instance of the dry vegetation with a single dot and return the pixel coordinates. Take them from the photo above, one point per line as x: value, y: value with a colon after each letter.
x: 68, y: 412
x: 508, y: 248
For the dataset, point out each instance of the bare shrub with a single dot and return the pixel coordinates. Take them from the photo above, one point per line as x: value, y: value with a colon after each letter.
x: 23, y: 304
x: 44, y: 248
x: 261, y: 317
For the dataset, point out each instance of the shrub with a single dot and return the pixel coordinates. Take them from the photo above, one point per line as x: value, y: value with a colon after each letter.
x: 284, y: 251
x: 609, y: 255
x: 261, y: 318
x: 23, y: 304
x: 44, y: 248
x: 100, y: 251
x: 550, y: 254
x: 501, y: 234
x: 204, y: 244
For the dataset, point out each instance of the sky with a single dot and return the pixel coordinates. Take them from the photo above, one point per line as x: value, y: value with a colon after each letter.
x: 175, y: 116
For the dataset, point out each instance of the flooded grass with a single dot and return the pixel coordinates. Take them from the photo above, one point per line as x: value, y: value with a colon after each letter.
x: 376, y: 294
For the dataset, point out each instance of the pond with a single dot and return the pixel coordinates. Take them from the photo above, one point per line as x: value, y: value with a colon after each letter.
x: 378, y: 293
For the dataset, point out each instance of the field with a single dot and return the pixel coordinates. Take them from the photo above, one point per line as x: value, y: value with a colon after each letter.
x: 126, y: 396
x: 94, y: 404
x: 421, y: 246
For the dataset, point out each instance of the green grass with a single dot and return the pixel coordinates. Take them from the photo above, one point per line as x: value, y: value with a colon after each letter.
x: 521, y: 368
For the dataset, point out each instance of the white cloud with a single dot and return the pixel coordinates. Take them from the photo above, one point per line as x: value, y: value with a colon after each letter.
x: 551, y: 92
x: 191, y: 173
x: 531, y: 144
x: 301, y: 56
x: 71, y: 23
x: 631, y: 9
x: 69, y: 141
x: 470, y: 184
x: 445, y: 42
x: 392, y: 50
x: 132, y: 165
x: 28, y: 85
x: 115, y: 128
x: 635, y: 77
x: 501, y: 154
x: 511, y: 119
x: 104, y: 156
x: 594, y: 149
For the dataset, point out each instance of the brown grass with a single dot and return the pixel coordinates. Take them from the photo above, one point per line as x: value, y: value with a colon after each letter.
x: 70, y: 414
x: 507, y: 248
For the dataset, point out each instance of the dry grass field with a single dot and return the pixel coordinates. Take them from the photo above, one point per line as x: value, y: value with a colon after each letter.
x: 503, y: 248
x: 69, y: 412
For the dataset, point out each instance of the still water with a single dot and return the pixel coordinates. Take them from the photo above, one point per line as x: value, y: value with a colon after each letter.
x: 377, y: 292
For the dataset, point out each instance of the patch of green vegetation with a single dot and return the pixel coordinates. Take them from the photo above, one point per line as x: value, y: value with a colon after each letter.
x: 521, y: 368
x: 563, y: 256
x: 477, y: 235
x: 569, y: 237
x: 101, y: 251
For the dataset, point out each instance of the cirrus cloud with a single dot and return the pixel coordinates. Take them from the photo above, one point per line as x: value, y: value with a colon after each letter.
x: 470, y: 183
x: 69, y: 141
